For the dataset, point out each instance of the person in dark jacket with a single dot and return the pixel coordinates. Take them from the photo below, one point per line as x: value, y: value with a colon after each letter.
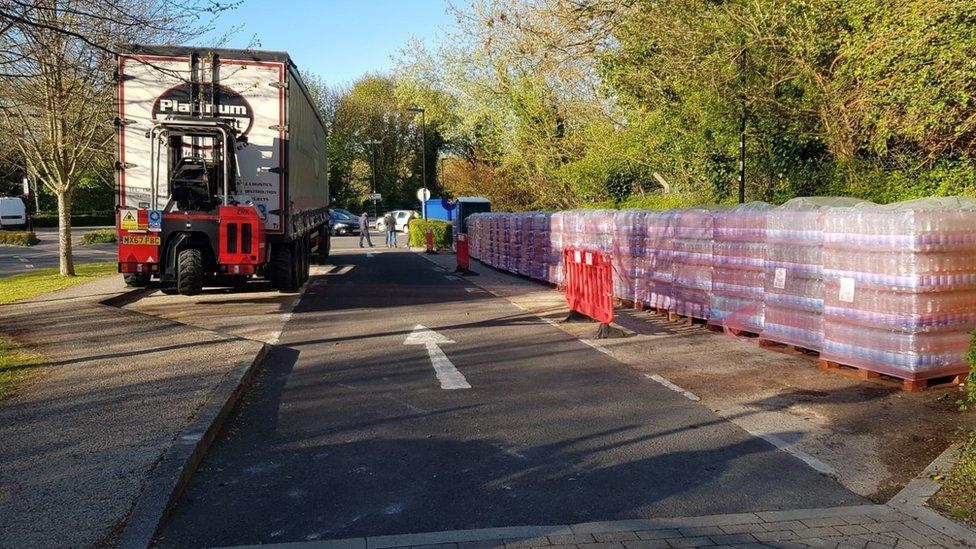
x: 364, y: 230
x: 391, y: 236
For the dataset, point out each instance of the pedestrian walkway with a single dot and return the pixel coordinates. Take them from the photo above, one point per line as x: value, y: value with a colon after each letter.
x: 81, y: 438
x: 862, y: 526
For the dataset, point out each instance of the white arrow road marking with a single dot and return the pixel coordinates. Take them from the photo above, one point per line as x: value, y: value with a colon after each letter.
x: 447, y: 374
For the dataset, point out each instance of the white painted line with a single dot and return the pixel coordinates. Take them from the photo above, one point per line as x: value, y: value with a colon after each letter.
x: 551, y: 322
x: 818, y: 465
x: 452, y: 277
x: 447, y: 374
x: 519, y: 306
x: 29, y: 266
x: 22, y: 259
x: 597, y: 346
x: 687, y: 394
x: 344, y: 269
x: 285, y: 318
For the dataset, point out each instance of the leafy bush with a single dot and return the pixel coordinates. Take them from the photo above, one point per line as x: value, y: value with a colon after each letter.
x: 443, y: 238
x: 969, y: 388
x: 100, y: 236
x: 48, y: 219
x: 17, y: 238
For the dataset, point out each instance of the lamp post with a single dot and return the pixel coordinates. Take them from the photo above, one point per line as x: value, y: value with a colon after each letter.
x: 423, y: 150
x: 372, y: 143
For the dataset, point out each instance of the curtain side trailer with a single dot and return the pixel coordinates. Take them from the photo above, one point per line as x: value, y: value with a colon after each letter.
x: 221, y: 168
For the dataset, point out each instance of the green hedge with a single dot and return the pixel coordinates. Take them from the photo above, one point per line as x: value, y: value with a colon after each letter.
x: 968, y: 399
x: 47, y: 219
x: 99, y: 236
x: 442, y: 233
x: 17, y: 238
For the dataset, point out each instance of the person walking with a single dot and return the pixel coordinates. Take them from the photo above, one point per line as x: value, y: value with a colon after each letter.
x: 364, y: 230
x: 390, y: 223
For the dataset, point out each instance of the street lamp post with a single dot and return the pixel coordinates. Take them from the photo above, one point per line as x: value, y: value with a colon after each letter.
x: 372, y: 143
x: 423, y: 151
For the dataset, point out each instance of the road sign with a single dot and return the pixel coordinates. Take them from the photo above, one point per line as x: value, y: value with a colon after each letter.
x: 376, y: 196
x: 26, y: 186
x: 423, y: 194
x: 155, y: 220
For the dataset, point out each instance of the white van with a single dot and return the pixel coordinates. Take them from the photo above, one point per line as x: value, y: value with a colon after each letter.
x: 13, y: 213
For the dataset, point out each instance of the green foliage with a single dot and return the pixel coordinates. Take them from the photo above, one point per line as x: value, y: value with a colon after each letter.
x: 50, y: 219
x: 555, y: 105
x: 17, y: 238
x: 957, y: 496
x: 100, y: 236
x: 968, y: 399
x: 441, y: 230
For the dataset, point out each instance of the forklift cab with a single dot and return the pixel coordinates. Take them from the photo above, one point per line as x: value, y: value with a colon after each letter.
x: 201, y: 170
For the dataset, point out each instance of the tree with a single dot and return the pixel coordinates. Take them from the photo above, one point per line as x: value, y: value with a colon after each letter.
x: 56, y: 91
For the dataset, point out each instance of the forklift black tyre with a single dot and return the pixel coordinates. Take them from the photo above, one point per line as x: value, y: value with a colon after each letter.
x: 189, y: 272
x: 283, y: 271
x: 136, y: 280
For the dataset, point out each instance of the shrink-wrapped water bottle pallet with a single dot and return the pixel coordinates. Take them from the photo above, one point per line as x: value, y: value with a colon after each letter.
x: 911, y: 385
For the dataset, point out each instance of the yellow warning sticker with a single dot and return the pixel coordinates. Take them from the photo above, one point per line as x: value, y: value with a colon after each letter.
x: 141, y: 240
x: 129, y: 221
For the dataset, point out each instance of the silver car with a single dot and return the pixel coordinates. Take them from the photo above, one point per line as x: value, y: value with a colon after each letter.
x: 400, y: 217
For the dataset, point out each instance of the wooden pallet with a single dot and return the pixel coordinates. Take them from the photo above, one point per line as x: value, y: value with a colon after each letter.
x: 636, y: 305
x: 910, y: 385
x: 685, y: 319
x: 787, y: 348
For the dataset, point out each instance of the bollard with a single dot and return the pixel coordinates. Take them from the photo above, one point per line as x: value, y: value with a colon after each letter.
x: 430, y: 241
x: 463, y: 256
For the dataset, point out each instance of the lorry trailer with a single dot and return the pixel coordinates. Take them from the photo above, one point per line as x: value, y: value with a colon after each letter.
x: 221, y: 168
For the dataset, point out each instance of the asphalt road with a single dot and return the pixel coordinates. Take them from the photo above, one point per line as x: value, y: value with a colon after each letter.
x: 348, y: 432
x: 19, y: 260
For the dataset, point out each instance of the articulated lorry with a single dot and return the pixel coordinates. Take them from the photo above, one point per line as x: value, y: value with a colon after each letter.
x: 221, y: 169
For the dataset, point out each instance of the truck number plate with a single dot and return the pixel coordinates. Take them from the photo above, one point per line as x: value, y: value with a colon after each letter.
x: 141, y: 240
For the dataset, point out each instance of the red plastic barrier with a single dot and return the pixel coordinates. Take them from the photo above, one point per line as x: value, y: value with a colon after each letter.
x: 463, y: 258
x: 430, y: 241
x: 589, y: 283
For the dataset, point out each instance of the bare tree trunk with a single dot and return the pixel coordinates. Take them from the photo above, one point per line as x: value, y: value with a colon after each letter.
x: 65, y: 261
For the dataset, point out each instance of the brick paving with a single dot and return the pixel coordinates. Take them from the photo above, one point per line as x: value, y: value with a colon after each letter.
x: 861, y: 527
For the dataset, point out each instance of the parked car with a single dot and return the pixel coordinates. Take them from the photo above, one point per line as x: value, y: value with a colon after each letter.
x: 401, y: 219
x: 343, y: 224
x: 13, y: 213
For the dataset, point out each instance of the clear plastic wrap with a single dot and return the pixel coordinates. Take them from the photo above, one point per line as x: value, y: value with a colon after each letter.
x: 738, y: 259
x: 691, y: 283
x: 793, y: 278
x: 628, y: 242
x: 900, y: 286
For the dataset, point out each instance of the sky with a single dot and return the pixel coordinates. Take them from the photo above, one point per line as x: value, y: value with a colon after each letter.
x: 338, y: 40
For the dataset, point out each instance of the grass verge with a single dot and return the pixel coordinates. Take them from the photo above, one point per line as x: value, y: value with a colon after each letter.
x: 42, y: 281
x: 98, y: 236
x: 17, y: 238
x: 16, y: 365
x: 957, y: 497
